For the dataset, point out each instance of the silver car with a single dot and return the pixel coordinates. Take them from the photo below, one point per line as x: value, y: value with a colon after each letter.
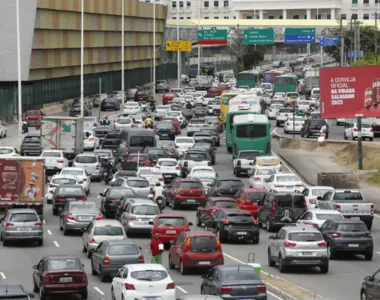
x: 98, y: 99
x: 138, y: 214
x: 91, y: 163
x: 77, y: 215
x: 21, y: 225
x: 140, y: 186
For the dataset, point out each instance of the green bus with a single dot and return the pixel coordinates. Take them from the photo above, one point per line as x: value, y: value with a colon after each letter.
x: 251, y: 132
x: 230, y: 125
x: 249, y: 78
x: 285, y: 83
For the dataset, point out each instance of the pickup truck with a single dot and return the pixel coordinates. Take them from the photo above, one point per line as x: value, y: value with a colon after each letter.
x: 282, y: 115
x: 244, y: 161
x: 193, y: 158
x: 350, y: 203
x: 214, y: 107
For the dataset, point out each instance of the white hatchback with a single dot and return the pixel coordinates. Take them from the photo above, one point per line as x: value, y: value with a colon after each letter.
x: 183, y: 144
x: 83, y: 178
x: 176, y: 114
x: 8, y: 152
x: 286, y: 183
x: 259, y: 175
x: 272, y: 110
x: 131, y: 108
x: 168, y: 166
x: 124, y: 123
x: 318, y: 217
x: 54, y: 160
x: 91, y: 142
x: 293, y: 124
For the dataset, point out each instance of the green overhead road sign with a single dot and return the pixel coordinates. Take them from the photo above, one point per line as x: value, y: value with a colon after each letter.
x: 212, y: 36
x: 258, y: 36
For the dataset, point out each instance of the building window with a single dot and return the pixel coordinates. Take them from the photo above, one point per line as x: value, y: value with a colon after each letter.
x: 181, y: 18
x: 343, y: 16
x: 216, y: 3
x: 249, y: 17
x: 216, y: 17
x: 366, y: 2
x: 225, y: 3
x: 305, y: 17
x: 354, y: 16
x: 206, y: 4
x: 180, y: 3
x: 366, y: 16
x: 296, y: 17
x: 355, y: 2
x: 188, y: 4
x: 188, y: 18
x: 319, y: 17
x: 377, y: 1
x: 271, y: 17
x: 206, y: 18
x: 174, y: 18
x: 329, y: 16
x: 226, y: 18
x: 174, y: 4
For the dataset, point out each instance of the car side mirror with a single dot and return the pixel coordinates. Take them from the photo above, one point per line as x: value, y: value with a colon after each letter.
x: 319, y: 198
x: 101, y: 194
x: 31, y: 296
x: 272, y: 237
x: 158, y: 184
x: 51, y: 192
x: 368, y: 278
x: 83, y: 230
x: 151, y: 223
x: 190, y: 224
x: 35, y: 267
x: 140, y: 248
x: 251, y: 163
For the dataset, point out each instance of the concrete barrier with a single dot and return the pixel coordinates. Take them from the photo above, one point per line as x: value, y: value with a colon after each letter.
x: 339, y: 180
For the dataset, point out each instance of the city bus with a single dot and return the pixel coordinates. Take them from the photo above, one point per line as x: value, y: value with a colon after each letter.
x: 285, y: 83
x: 270, y: 76
x: 230, y: 125
x: 251, y: 132
x: 249, y: 78
x: 225, y: 102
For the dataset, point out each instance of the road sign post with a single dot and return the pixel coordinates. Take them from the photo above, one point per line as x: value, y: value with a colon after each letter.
x: 263, y: 36
x: 178, y: 46
x: 298, y: 36
x: 212, y: 37
x: 328, y: 41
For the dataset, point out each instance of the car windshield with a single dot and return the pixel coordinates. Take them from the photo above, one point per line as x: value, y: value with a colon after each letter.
x: 51, y: 154
x: 167, y: 163
x: 23, y: 217
x: 355, y: 196
x: 86, y: 159
x: 120, y: 192
x: 305, y: 237
x: 104, y: 154
x: 243, y: 274
x: 81, y: 207
x: 138, y: 183
x: 171, y: 221
x: 225, y: 204
x: 287, y: 178
x: 33, y: 113
x: 149, y: 210
x: 71, y: 191
x: 149, y: 275
x: 197, y: 122
x: 64, y: 181
x: 72, y: 172
x: 184, y: 141
x: 226, y: 184
x: 265, y: 172
x: 319, y: 192
x: 352, y: 227
x: 124, y: 121
x: 126, y: 249
x: 6, y: 151
x: 190, y: 184
x: 64, y: 264
x: 141, y: 141
x: 203, y: 244
x: 108, y: 230
x: 329, y: 216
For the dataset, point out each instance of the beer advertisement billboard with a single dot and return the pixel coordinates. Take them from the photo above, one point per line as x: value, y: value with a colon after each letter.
x: 350, y: 92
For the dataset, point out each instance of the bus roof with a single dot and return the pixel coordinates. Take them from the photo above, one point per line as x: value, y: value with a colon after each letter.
x: 250, y: 72
x: 250, y: 118
x: 232, y: 93
x: 287, y: 75
x: 245, y: 96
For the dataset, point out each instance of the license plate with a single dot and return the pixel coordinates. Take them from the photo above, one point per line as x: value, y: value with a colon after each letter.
x: 159, y: 201
x: 71, y: 199
x: 355, y: 218
x: 353, y: 245
x: 190, y: 200
x: 150, y: 298
x: 289, y: 186
x: 24, y: 229
x: 85, y: 218
x: 66, y: 279
x: 170, y: 231
x: 164, y: 134
x: 307, y: 253
x: 241, y: 233
x: 204, y: 263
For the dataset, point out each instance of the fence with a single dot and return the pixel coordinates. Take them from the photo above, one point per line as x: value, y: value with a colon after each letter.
x: 36, y: 94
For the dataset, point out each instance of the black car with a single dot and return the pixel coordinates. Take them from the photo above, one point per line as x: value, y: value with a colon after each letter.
x: 225, y: 187
x: 110, y: 104
x: 115, y: 141
x: 102, y: 131
x: 75, y: 111
x: 280, y: 209
x: 235, y: 225
x: 67, y: 193
x: 31, y: 145
x: 165, y: 130
x: 370, y: 287
x: 111, y: 198
x: 313, y: 128
x: 155, y: 153
x: 347, y: 236
x: 214, y: 135
x: 203, y: 146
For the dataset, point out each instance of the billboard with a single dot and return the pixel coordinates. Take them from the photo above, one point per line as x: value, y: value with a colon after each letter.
x: 350, y: 92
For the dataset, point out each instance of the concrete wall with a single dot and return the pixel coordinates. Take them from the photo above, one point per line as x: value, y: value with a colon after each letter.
x: 338, y: 180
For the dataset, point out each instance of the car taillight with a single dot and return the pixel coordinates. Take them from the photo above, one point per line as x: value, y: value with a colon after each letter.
x: 322, y: 244
x: 299, y: 184
x: 132, y: 126
x: 158, y: 167
x: 98, y: 167
x: 337, y: 207
x: 91, y: 139
x: 129, y: 286
x: 47, y: 278
x: 84, y: 277
x: 226, y: 221
x: 212, y: 211
x: 170, y: 286
x: 371, y: 130
x: 304, y: 206
x: 161, y: 179
x: 9, y: 224
x: 131, y: 218
x: 187, y: 245
x: 172, y: 151
x: 106, y: 260
x: 261, y: 288
x: 52, y: 185
x: 70, y: 217
x: 209, y: 163
x: 141, y: 259
x: 372, y: 209
x: 369, y: 234
x: 185, y: 164
x: 177, y: 191
x: 355, y: 129
x: 60, y: 161
x: 178, y: 168
x: 92, y: 240
x: 114, y: 125
x: 289, y: 244
x: 216, y: 123
x: 257, y: 179
x: 225, y: 289
x: 336, y: 235
x: 111, y: 198
x: 94, y: 124
x: 59, y: 198
x: 217, y: 190
x: 278, y: 185
x: 99, y: 217
x: 312, y: 201
x: 273, y: 212
x: 126, y: 150
x: 83, y: 198
x: 84, y: 179
x: 239, y: 163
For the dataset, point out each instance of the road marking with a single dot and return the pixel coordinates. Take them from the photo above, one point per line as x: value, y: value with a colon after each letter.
x: 56, y: 244
x: 48, y: 231
x: 181, y: 289
x: 2, y: 275
x: 43, y: 221
x: 99, y: 290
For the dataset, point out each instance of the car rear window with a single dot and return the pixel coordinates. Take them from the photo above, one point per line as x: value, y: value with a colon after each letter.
x: 88, y: 207
x: 203, y: 243
x: 111, y: 143
x: 225, y: 204
x: 64, y: 181
x: 348, y: 196
x: 240, y: 217
x: 141, y: 141
x: 319, y: 192
x: 156, y: 152
x: 23, y: 217
x: 195, y: 156
x: 138, y: 183
x: 120, y: 192
x: 299, y: 201
x: 51, y: 154
x: 71, y: 191
x: 32, y: 139
x: 249, y: 155
x: 265, y: 172
x: 149, y: 275
x: 108, y: 230
x: 197, y: 122
x: 352, y: 227
x: 184, y: 141
x: 284, y: 201
x: 167, y: 163
x: 72, y: 172
x: 148, y: 210
x: 329, y: 216
x: 171, y: 221
x: 86, y: 159
x: 129, y: 249
x: 253, y: 196
x: 64, y: 264
x: 190, y: 185
x: 231, y: 184
x: 241, y: 275
x: 287, y: 178
x: 305, y: 236
x: 124, y: 121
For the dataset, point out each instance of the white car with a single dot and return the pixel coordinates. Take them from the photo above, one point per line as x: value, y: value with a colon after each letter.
x: 153, y: 175
x: 118, y: 95
x: 83, y: 178
x: 90, y: 141
x: 286, y: 183
x: 205, y: 170
x: 124, y: 123
x: 3, y: 129
x: 176, y: 114
x: 131, y: 108
x: 272, y: 111
x: 282, y: 115
x: 351, y: 131
x: 293, y: 124
x: 136, y: 281
x: 57, y: 180
x: 303, y: 105
x: 177, y: 91
x: 161, y: 110
x: 318, y: 217
x: 90, y: 123
x: 311, y: 194
x: 168, y: 166
x: 259, y: 174
x: 8, y: 152
x: 279, y: 96
x: 179, y: 100
x: 138, y: 119
x: 183, y: 144
x: 55, y: 161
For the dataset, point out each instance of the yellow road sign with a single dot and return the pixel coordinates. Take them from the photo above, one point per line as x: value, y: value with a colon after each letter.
x: 181, y: 46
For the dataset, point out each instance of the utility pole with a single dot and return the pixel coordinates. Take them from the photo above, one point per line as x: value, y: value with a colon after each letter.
x: 359, y: 120
x: 376, y: 37
x: 351, y: 42
x: 355, y: 40
x: 341, y: 44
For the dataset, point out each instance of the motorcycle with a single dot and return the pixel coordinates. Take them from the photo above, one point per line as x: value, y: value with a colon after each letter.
x: 157, y: 196
x: 107, y: 176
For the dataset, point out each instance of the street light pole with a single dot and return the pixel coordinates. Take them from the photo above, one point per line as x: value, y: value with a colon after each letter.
x: 154, y: 50
x: 19, y: 68
x: 81, y: 61
x: 178, y: 53
x: 199, y: 46
x: 122, y: 54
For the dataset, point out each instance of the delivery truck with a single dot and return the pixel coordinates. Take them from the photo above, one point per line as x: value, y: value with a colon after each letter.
x: 63, y: 133
x: 22, y: 183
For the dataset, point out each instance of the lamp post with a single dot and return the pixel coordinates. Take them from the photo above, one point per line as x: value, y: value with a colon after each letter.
x: 122, y: 54
x: 81, y: 61
x: 19, y: 68
x: 199, y: 46
x: 154, y: 49
x: 178, y: 53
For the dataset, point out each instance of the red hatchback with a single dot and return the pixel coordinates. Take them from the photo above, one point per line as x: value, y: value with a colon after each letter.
x: 217, y: 91
x: 195, y: 250
x: 249, y: 199
x: 169, y: 226
x: 176, y: 125
x: 142, y: 158
x: 61, y: 274
x: 185, y: 192
x: 211, y: 206
x: 167, y: 97
x: 224, y: 87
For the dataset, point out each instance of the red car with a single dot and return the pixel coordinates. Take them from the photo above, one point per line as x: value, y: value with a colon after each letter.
x: 185, y: 192
x: 211, y: 206
x: 33, y: 117
x: 176, y: 125
x: 217, y: 91
x: 142, y: 158
x: 248, y: 199
x: 169, y: 226
x: 61, y: 274
x: 195, y: 250
x: 141, y: 96
x: 168, y: 97
x: 224, y: 87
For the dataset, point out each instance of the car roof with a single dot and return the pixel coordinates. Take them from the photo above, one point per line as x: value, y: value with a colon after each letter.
x: 345, y: 221
x: 169, y: 215
x: 198, y: 233
x: 237, y: 211
x: 229, y: 178
x: 86, y: 154
x: 69, y: 176
x: 73, y: 168
x: 166, y: 159
x: 325, y: 211
x: 144, y: 202
x: 70, y: 186
x: 229, y: 268
x: 221, y: 199
x: 346, y: 190
x: 320, y: 187
x: 121, y: 242
x: 142, y: 267
x: 247, y: 190
x: 100, y: 223
x: 188, y: 180
x: 22, y: 210
x: 301, y: 228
